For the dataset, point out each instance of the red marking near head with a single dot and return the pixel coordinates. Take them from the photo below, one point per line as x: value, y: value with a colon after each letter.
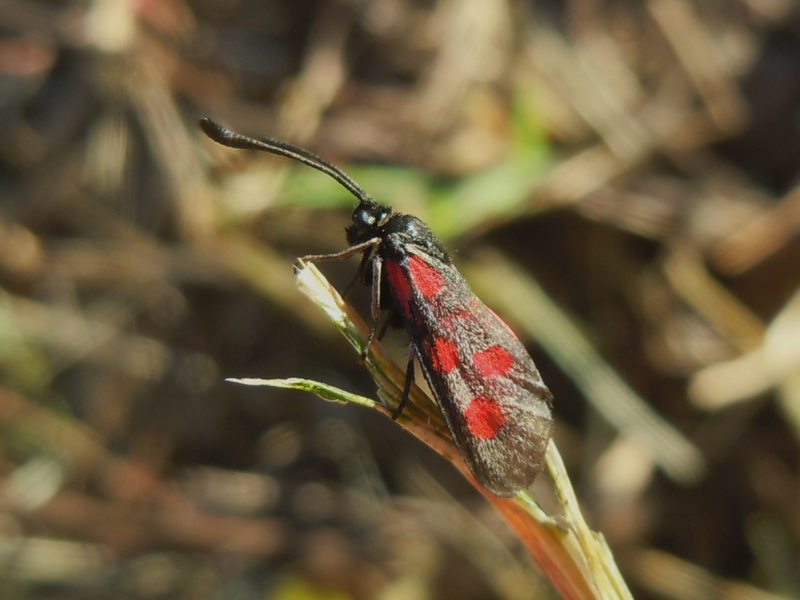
x: 494, y: 361
x: 399, y: 284
x: 444, y: 355
x: 424, y: 277
x: 484, y: 418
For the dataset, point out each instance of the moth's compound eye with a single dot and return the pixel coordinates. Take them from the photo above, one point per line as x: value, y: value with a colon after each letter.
x: 363, y: 218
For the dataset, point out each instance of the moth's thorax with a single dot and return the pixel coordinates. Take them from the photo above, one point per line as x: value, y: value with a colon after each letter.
x: 401, y: 231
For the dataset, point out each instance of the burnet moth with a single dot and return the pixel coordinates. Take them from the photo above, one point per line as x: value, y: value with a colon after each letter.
x: 493, y: 399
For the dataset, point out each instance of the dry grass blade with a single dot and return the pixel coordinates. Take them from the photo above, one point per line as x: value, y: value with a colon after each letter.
x: 775, y: 362
x: 670, y: 577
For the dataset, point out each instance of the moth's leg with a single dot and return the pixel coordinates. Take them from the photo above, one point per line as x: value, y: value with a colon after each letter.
x: 375, y: 308
x: 370, y: 244
x: 407, y: 385
x: 386, y: 321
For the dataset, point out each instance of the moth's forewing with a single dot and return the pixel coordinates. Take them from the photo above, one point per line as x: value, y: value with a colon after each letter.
x: 490, y: 391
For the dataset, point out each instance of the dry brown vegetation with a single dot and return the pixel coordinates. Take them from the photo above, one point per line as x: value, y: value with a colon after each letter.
x: 617, y: 178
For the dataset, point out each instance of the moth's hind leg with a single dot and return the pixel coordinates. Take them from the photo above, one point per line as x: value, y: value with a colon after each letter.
x: 375, y: 308
x: 407, y: 385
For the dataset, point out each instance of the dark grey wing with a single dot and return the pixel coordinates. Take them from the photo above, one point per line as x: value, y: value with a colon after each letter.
x: 490, y: 392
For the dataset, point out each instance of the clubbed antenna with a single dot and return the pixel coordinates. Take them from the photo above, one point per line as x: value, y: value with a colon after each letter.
x: 226, y: 137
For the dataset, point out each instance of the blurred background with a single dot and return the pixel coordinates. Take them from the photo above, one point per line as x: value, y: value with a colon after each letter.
x: 617, y: 178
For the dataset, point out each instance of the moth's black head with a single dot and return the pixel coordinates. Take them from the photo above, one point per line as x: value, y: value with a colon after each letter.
x: 368, y: 218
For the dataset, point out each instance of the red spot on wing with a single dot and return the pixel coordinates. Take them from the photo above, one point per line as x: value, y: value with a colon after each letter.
x: 444, y: 355
x: 399, y: 284
x: 484, y: 418
x: 427, y: 281
x: 494, y: 361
